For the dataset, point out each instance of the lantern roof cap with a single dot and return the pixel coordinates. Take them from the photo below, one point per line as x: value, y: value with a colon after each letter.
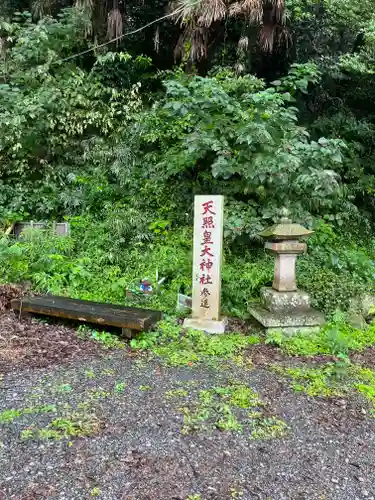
x: 285, y: 229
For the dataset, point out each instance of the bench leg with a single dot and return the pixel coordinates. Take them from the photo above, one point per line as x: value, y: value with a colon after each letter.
x: 23, y: 315
x: 127, y: 333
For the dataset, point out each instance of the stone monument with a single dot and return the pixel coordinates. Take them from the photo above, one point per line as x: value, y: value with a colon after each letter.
x: 283, y: 307
x: 207, y: 256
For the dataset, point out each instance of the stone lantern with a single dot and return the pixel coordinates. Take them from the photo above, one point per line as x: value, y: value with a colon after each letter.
x: 283, y: 307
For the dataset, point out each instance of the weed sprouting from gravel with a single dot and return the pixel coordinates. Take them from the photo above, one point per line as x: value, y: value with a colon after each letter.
x: 7, y: 416
x: 68, y: 426
x: 319, y: 381
x: 90, y: 374
x: 226, y: 408
x: 332, y: 380
x: 145, y: 388
x: 120, y: 387
x: 176, y: 393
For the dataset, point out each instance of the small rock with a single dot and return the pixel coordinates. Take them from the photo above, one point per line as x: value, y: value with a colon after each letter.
x: 334, y: 480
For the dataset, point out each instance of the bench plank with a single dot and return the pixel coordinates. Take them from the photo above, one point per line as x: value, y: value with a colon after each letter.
x: 90, y: 312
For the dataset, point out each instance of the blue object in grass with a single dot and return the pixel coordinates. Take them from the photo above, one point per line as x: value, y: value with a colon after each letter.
x: 145, y: 286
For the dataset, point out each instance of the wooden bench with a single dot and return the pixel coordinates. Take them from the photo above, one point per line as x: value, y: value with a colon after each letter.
x: 129, y: 319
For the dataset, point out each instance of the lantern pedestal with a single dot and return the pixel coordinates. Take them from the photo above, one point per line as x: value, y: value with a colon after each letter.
x: 287, y: 311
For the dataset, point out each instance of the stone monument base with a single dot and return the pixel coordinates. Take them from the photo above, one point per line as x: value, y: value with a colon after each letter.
x: 290, y: 331
x: 207, y: 325
x: 308, y: 320
x: 287, y: 311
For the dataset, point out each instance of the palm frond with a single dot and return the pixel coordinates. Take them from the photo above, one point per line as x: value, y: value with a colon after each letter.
x: 252, y: 10
x: 279, y: 9
x: 267, y: 37
x: 114, y: 24
x: 185, y: 10
x: 211, y: 11
x: 41, y: 8
x: 243, y: 44
x: 195, y: 15
x: 199, y: 43
x: 274, y: 10
x: 157, y: 40
x: 85, y: 5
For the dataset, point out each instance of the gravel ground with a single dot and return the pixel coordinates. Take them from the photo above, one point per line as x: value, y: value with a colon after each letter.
x: 137, y: 450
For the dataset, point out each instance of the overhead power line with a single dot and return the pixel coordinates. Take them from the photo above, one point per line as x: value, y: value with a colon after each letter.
x: 171, y: 14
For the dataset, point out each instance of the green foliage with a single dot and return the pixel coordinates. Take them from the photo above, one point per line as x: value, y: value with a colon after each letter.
x: 298, y: 78
x: 178, y: 346
x: 336, y: 338
x: 87, y: 265
x: 100, y: 261
x: 227, y: 409
x: 97, y: 139
x: 176, y: 393
x: 7, y: 416
x: 314, y: 381
x: 337, y: 269
x: 120, y: 70
x: 108, y: 340
x: 70, y: 426
x: 240, y: 288
x: 233, y: 132
x: 332, y: 380
x: 50, y: 110
x: 267, y: 428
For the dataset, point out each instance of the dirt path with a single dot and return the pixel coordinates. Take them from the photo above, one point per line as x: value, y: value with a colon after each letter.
x: 129, y: 412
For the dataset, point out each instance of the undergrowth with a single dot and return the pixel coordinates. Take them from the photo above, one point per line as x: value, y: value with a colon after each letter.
x: 332, y: 380
x: 233, y: 408
x: 180, y: 346
x: 106, y: 339
x: 97, y: 262
x: 336, y: 338
x: 323, y: 381
x: 8, y: 416
x: 70, y: 426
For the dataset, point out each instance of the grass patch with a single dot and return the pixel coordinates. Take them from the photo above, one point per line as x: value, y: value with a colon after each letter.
x: 179, y: 346
x: 107, y: 340
x: 65, y: 388
x: 336, y: 338
x: 8, y: 416
x: 227, y: 408
x: 70, y: 426
x: 322, y: 381
x: 120, y: 387
x: 95, y: 394
x: 332, y: 380
x: 365, y: 384
x: 176, y: 393
x: 266, y: 427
